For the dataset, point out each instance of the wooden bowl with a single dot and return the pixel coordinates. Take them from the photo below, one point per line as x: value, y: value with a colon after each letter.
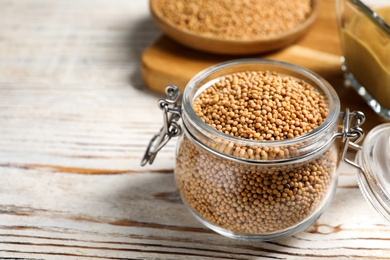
x: 232, y: 46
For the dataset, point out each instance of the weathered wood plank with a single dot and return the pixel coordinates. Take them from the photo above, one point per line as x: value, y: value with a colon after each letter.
x: 135, y: 215
x: 75, y: 118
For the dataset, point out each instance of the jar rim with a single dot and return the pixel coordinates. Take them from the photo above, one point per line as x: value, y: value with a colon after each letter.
x: 191, y: 90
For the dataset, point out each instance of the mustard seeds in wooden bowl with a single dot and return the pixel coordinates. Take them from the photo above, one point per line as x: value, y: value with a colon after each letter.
x: 233, y: 26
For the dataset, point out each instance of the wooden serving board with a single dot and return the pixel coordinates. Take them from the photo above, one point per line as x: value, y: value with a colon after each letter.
x: 167, y: 62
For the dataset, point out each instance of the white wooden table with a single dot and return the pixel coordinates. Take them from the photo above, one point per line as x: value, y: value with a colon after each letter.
x: 75, y: 118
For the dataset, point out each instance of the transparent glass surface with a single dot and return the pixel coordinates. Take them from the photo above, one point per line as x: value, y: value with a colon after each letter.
x: 254, y: 201
x: 375, y: 160
x: 299, y: 148
x: 246, y: 197
x: 365, y: 42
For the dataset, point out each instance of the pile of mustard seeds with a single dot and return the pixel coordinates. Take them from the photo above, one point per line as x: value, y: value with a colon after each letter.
x: 235, y: 19
x: 260, y: 105
x: 252, y: 199
x: 255, y: 198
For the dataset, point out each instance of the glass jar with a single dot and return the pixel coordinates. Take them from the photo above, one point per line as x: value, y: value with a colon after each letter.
x: 365, y: 40
x: 251, y: 189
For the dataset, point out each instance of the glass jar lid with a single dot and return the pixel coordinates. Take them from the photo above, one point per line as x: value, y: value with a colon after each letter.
x: 374, y: 172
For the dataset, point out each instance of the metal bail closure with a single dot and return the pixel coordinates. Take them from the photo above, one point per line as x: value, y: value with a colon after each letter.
x: 171, y: 128
x: 351, y: 133
x: 372, y: 162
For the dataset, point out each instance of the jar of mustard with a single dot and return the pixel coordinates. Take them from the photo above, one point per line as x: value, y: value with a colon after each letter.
x: 259, y: 146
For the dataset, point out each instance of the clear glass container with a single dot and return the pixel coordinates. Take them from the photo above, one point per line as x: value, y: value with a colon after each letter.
x: 266, y: 190
x: 241, y: 195
x: 373, y: 161
x: 365, y: 41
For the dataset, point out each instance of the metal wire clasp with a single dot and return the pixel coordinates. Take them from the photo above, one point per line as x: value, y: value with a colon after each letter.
x: 171, y: 128
x: 351, y: 133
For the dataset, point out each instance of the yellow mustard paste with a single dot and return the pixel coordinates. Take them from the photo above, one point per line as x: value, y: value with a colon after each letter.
x: 367, y: 54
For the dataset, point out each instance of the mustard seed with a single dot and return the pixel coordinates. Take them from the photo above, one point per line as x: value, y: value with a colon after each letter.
x: 255, y: 198
x: 276, y: 129
x: 235, y: 19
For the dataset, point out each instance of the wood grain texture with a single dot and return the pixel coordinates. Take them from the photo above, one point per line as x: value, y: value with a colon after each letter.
x: 75, y: 118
